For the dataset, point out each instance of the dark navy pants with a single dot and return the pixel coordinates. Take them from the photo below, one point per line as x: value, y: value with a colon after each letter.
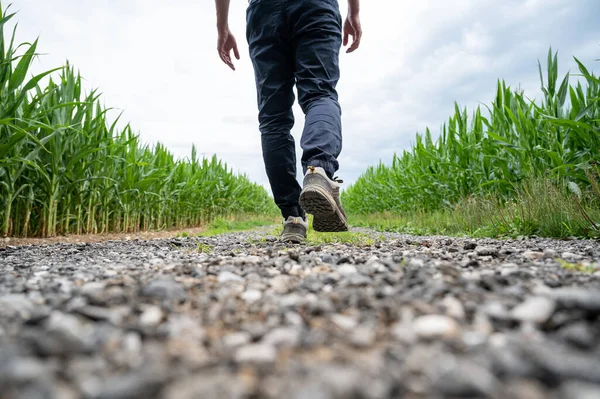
x: 296, y: 42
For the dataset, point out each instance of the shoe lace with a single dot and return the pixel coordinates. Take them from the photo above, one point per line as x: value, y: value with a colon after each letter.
x: 335, y: 179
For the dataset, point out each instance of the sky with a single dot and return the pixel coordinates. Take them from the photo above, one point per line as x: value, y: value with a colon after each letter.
x: 156, y: 62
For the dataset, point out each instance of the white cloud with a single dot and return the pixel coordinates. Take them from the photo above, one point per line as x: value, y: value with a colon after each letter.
x: 157, y: 61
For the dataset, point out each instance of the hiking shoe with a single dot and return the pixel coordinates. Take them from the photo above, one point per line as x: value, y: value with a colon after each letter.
x: 294, y: 230
x: 321, y: 198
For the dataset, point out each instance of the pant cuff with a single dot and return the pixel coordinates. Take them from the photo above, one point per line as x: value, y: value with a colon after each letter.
x: 295, y: 211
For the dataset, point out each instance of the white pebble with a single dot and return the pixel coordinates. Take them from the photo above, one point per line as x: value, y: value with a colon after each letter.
x: 151, y: 317
x: 436, y: 326
x: 252, y: 296
x: 228, y: 276
x: 346, y: 270
x: 536, y: 309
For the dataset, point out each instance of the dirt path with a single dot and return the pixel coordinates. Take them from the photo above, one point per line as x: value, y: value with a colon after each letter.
x: 76, y: 239
x: 241, y: 316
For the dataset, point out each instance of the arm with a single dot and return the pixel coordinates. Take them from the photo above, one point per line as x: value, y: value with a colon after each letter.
x: 352, y: 27
x: 226, y: 41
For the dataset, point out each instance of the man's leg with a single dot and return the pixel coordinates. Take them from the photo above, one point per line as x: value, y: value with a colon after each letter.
x: 273, y: 63
x: 317, y: 39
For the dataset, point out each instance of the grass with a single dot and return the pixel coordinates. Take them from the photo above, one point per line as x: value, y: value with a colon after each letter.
x: 234, y: 224
x: 577, y: 267
x: 347, y: 237
x: 66, y: 168
x: 539, y: 208
x: 204, y: 248
x: 483, y: 175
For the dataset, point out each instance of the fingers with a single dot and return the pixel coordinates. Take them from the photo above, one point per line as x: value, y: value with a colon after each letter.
x: 236, y: 52
x: 224, y: 48
x: 346, y: 39
x: 355, y: 40
x: 226, y: 58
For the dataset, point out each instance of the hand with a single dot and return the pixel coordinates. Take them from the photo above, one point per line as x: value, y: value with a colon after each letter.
x: 352, y: 28
x: 225, y: 44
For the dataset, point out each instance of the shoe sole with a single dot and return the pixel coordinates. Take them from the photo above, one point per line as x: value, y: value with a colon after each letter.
x: 292, y: 238
x: 327, y: 215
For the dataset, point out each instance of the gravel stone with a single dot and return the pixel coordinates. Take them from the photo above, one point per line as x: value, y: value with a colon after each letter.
x: 151, y: 317
x: 535, y: 309
x: 15, y: 305
x: 533, y: 255
x: 345, y: 323
x: 165, y: 288
x: 416, y: 263
x: 252, y: 296
x: 282, y: 337
x: 261, y: 354
x: 409, y: 316
x: 436, y: 327
x: 225, y: 277
x: 237, y: 339
x: 346, y: 270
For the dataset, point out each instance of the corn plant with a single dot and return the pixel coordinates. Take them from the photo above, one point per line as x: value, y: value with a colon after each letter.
x: 65, y: 169
x: 493, y: 152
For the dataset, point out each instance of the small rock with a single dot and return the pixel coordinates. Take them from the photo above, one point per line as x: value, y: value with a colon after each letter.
x: 166, y: 289
x: 509, y: 269
x: 533, y: 255
x: 347, y: 269
x: 536, y: 309
x: 469, y: 246
x: 417, y: 263
x: 357, y: 279
x: 142, y: 383
x: 527, y: 389
x: 579, y: 390
x: 435, y: 327
x: 576, y: 298
x: 464, y: 380
x: 207, y: 385
x: 184, y: 327
x: 237, y: 339
x: 16, y: 305
x: 363, y: 336
x: 550, y: 254
x: 579, y: 334
x: 569, y: 256
x: 260, y: 354
x: 281, y: 284
x: 282, y: 337
x: 151, y: 317
x: 404, y: 332
x: 252, y: 296
x: 496, y: 310
x: 97, y: 313
x: 64, y: 334
x: 487, y: 251
x: 344, y: 322
x: 94, y: 291
x: 470, y: 263
x: 225, y: 277
x: 454, y: 308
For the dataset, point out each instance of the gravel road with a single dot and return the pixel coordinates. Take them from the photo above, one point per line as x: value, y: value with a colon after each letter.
x: 242, y: 316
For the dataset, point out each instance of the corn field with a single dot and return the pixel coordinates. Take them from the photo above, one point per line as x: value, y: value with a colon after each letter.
x: 493, y: 152
x: 64, y: 168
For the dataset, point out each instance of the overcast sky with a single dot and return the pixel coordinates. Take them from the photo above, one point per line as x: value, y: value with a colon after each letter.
x: 156, y: 60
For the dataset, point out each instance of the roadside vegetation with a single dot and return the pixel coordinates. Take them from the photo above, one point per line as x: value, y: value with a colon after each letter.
x: 517, y: 167
x: 67, y: 168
